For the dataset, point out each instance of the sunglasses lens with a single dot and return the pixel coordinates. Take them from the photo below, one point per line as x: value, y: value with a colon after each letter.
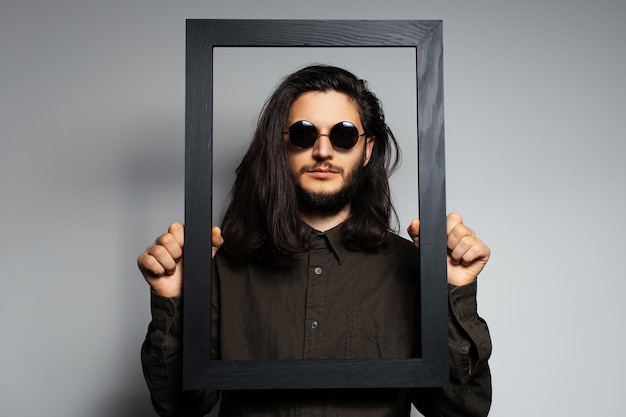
x: 302, y: 134
x: 344, y: 135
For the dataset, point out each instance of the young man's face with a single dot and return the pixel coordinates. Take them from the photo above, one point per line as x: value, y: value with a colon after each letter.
x: 324, y: 172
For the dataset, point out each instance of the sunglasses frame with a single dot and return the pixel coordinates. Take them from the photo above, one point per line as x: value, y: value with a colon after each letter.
x: 340, y: 125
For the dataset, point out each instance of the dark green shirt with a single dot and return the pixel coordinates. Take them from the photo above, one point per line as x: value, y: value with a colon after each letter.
x: 332, y: 304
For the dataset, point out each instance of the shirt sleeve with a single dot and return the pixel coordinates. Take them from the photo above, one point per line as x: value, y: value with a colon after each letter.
x: 161, y: 357
x: 468, y: 393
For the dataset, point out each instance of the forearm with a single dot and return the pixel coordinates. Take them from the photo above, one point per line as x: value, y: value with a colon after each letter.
x: 161, y: 356
x: 469, y: 390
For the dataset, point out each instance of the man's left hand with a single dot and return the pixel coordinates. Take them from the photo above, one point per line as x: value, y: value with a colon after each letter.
x: 467, y: 254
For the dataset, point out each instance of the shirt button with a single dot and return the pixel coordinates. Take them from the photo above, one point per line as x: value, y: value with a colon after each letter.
x: 318, y: 271
x: 456, y: 302
x: 465, y: 348
x: 314, y: 324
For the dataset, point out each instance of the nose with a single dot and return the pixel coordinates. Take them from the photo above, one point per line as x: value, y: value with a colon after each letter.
x: 323, y: 147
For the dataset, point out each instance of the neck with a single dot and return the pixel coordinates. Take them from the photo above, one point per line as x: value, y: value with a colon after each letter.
x: 324, y: 221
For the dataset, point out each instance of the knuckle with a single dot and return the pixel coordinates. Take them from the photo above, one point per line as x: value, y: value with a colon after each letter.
x: 151, y: 265
x: 457, y: 233
x: 467, y: 241
x: 455, y: 217
x: 141, y: 260
x: 176, y: 228
x: 158, y: 252
x: 166, y: 239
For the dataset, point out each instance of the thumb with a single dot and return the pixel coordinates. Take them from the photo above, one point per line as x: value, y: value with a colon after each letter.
x: 414, y: 231
x: 216, y: 240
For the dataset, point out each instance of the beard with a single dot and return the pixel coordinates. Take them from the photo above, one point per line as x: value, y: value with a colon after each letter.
x: 334, y: 202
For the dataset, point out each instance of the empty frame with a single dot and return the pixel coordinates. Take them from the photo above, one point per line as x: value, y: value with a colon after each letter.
x: 425, y: 38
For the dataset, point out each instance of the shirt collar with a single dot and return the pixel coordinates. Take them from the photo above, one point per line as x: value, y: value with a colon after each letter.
x: 333, y: 239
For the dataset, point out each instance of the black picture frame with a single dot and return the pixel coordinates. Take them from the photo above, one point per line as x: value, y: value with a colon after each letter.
x: 202, y: 372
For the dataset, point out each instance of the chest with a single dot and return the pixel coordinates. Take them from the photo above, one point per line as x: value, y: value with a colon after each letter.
x: 361, y: 307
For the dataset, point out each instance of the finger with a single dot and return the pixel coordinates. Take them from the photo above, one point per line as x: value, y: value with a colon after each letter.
x: 414, y: 231
x: 164, y: 256
x: 216, y: 239
x: 480, y: 252
x: 414, y: 228
x: 178, y: 231
x: 452, y: 221
x: 459, y: 233
x: 171, y: 244
x: 469, y: 250
x: 149, y: 266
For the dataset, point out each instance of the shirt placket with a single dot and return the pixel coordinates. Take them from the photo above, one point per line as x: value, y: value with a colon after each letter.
x: 320, y: 266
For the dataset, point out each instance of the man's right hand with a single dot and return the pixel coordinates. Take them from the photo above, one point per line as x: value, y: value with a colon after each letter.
x: 162, y: 262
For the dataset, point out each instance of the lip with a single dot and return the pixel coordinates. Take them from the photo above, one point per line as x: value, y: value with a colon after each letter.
x: 322, y: 173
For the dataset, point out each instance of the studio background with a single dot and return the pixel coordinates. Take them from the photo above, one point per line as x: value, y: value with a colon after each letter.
x: 92, y: 169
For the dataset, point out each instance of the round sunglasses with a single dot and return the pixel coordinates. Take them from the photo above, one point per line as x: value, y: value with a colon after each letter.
x: 343, y: 135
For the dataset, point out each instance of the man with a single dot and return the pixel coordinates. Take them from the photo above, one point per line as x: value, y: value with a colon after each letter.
x: 307, y: 267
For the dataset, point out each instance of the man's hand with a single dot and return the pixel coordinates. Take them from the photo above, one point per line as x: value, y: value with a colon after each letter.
x: 162, y: 262
x: 467, y: 254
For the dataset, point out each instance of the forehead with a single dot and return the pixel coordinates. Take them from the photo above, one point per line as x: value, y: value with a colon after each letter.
x: 324, y: 107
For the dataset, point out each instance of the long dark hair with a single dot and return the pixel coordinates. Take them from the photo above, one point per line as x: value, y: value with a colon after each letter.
x: 261, y: 222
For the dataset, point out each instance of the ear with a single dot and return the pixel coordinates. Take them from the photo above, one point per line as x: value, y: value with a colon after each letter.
x: 369, y: 145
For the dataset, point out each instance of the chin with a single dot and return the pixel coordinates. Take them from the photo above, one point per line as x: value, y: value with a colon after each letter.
x: 325, y: 192
x: 322, y: 189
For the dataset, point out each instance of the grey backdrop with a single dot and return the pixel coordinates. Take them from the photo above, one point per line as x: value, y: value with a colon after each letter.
x: 241, y: 86
x: 91, y: 170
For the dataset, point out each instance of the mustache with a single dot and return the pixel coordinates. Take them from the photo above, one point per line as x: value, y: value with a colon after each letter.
x: 324, y: 166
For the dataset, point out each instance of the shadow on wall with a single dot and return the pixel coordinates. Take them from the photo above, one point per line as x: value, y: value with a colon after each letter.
x: 129, y: 406
x: 133, y: 406
x: 151, y: 184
